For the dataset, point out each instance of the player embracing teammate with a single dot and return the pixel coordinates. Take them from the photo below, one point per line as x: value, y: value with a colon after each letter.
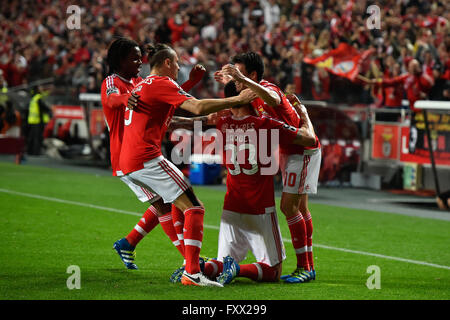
x: 141, y: 159
x: 299, y: 165
x: 124, y: 60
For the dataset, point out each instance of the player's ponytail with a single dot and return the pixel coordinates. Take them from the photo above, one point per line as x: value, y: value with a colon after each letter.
x: 158, y: 53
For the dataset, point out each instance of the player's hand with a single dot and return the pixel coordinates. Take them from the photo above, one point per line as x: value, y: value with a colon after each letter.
x: 247, y: 96
x: 133, y: 101
x: 222, y: 78
x: 197, y: 73
x: 297, y: 104
x: 211, y: 118
x: 234, y: 72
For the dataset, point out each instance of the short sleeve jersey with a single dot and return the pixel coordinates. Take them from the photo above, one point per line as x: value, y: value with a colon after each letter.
x: 146, y: 125
x: 249, y: 189
x: 114, y: 116
x: 284, y: 112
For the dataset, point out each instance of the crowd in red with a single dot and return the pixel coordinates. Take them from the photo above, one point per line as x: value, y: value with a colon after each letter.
x: 411, y: 49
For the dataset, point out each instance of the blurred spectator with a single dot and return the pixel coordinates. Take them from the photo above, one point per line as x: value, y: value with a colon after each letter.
x: 35, y: 42
x: 39, y: 115
x: 3, y: 89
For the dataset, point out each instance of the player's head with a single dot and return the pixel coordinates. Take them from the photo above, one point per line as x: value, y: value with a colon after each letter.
x: 163, y: 60
x: 250, y: 64
x: 124, y: 58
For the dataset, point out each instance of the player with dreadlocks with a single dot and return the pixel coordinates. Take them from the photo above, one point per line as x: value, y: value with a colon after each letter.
x: 124, y: 60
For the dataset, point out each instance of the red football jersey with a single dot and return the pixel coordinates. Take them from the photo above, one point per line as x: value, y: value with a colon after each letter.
x: 114, y: 112
x: 250, y: 188
x: 146, y: 125
x: 284, y: 112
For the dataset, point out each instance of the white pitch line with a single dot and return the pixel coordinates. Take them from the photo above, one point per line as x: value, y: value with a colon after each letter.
x: 87, y: 205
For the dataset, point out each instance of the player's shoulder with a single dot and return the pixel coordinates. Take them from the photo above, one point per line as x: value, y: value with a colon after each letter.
x: 109, y: 81
x: 268, y: 84
x: 267, y: 118
x: 222, y: 120
x: 163, y: 81
x: 110, y: 84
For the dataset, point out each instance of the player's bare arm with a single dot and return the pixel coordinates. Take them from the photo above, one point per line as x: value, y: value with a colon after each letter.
x: 207, y: 106
x: 305, y: 138
x: 186, y: 123
x: 303, y: 113
x: 268, y: 96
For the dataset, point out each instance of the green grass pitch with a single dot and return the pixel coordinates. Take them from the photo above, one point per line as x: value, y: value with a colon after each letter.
x: 47, y: 226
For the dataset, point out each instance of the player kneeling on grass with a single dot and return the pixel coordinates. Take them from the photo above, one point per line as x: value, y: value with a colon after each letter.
x: 249, y: 219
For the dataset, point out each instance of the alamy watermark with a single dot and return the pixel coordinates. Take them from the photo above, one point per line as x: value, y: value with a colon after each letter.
x: 374, y: 280
x: 74, y: 280
x: 231, y: 145
x: 73, y: 21
x: 374, y: 21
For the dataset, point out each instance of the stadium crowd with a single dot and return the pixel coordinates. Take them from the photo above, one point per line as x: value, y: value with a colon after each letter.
x: 35, y: 41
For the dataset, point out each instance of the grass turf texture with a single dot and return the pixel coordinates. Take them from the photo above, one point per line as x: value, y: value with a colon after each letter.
x: 41, y: 239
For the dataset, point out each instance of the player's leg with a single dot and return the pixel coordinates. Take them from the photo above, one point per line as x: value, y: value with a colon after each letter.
x: 297, y: 229
x: 304, y: 209
x: 266, y: 244
x: 166, y: 180
x: 312, y: 160
x: 126, y: 246
x: 233, y: 246
x: 158, y: 212
x: 178, y: 224
x: 167, y: 224
x: 193, y: 238
x: 260, y: 271
x: 294, y: 168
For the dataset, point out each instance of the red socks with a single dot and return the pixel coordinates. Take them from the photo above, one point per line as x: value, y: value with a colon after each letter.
x: 193, y: 237
x: 309, y: 231
x: 167, y: 225
x: 178, y: 224
x: 148, y: 221
x: 213, y: 268
x: 297, y: 227
x: 259, y: 271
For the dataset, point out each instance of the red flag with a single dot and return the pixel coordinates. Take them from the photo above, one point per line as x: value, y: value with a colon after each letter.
x: 344, y: 61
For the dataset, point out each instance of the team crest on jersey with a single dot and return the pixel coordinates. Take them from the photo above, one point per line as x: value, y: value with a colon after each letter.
x: 137, y: 89
x: 112, y: 90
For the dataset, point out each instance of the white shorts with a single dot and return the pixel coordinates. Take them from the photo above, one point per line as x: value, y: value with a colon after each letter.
x: 162, y: 178
x: 142, y: 193
x: 301, y: 172
x: 260, y: 234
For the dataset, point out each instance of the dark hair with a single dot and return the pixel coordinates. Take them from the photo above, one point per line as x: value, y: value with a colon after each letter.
x: 230, y: 89
x: 157, y: 53
x: 118, y: 50
x: 252, y: 62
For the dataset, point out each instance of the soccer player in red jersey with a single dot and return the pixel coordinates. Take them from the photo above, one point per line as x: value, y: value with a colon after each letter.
x: 300, y: 167
x: 141, y: 159
x: 249, y: 219
x: 124, y: 60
